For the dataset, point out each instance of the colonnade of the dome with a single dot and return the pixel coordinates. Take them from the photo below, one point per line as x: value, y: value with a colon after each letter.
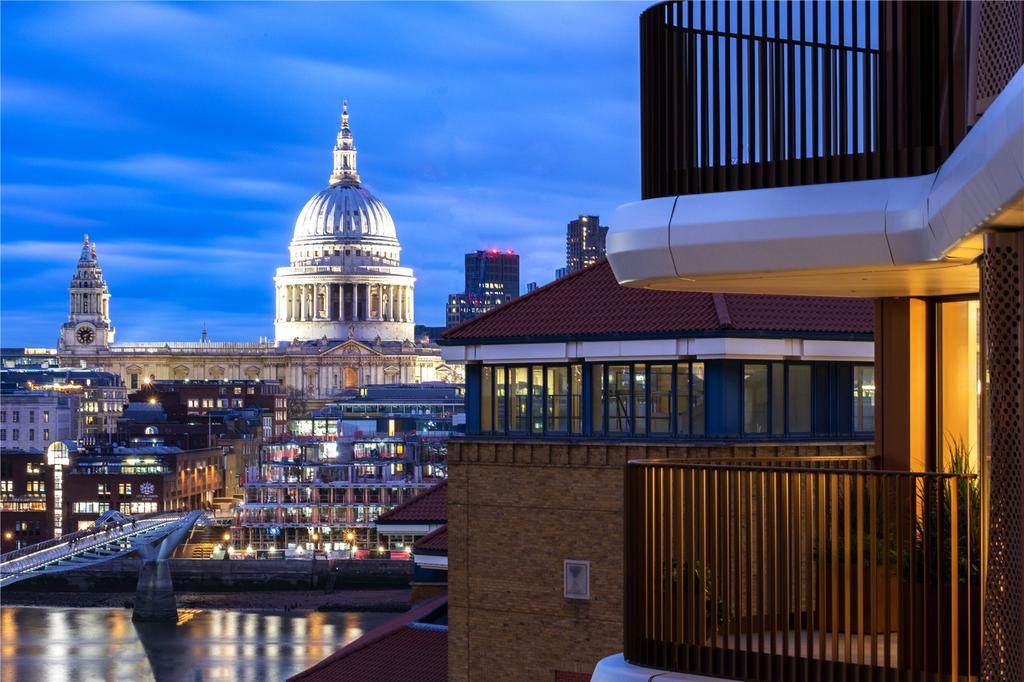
x: 344, y: 302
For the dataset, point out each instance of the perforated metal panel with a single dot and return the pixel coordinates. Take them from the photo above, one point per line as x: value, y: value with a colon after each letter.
x: 1000, y: 48
x: 1003, y: 298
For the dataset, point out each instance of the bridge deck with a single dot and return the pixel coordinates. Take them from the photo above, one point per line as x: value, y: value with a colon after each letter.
x: 76, y: 550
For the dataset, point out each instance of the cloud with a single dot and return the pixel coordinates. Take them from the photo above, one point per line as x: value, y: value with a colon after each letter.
x: 23, y: 96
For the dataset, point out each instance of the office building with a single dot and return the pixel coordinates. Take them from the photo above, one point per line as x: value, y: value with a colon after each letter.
x: 584, y: 242
x: 492, y: 279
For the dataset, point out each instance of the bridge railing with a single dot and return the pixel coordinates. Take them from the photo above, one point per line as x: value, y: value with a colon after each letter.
x: 67, y: 537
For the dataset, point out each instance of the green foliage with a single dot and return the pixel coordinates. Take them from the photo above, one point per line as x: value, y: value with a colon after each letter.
x: 934, y: 524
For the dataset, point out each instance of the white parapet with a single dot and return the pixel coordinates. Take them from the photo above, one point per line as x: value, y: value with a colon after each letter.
x: 888, y: 237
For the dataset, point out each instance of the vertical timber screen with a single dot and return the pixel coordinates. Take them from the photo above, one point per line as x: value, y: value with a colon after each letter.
x: 740, y: 94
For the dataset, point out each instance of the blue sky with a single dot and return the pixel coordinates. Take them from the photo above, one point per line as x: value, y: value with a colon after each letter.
x: 185, y: 138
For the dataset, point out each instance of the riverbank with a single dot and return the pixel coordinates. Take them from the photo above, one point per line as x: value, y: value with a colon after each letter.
x: 294, y: 601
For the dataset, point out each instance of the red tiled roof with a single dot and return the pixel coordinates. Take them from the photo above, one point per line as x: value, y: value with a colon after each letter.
x: 397, y: 651
x: 430, y: 506
x: 592, y: 303
x: 434, y: 541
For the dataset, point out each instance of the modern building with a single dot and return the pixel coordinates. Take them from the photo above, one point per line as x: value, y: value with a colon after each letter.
x: 325, y: 493
x: 102, y: 395
x: 26, y: 498
x: 344, y: 308
x: 30, y: 419
x: 492, y: 279
x: 140, y: 480
x: 846, y: 178
x: 12, y: 358
x: 584, y: 242
x: 567, y: 384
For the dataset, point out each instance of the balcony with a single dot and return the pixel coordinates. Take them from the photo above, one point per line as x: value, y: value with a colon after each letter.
x: 800, y: 573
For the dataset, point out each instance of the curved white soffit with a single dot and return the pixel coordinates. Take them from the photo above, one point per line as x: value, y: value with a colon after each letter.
x: 864, y: 227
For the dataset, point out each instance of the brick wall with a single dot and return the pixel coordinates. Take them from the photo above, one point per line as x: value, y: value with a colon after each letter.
x: 516, y: 511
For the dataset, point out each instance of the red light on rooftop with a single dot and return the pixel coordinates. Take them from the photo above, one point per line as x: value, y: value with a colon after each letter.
x: 509, y: 252
x: 494, y: 252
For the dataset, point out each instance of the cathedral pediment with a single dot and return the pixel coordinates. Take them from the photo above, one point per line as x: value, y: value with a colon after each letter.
x: 352, y: 348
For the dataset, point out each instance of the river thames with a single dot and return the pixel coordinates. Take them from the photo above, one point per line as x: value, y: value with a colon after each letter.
x: 79, y: 644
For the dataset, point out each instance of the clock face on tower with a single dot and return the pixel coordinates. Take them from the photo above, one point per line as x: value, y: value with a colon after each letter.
x: 85, y: 334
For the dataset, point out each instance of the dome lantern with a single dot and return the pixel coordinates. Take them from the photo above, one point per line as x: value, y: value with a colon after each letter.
x: 344, y: 153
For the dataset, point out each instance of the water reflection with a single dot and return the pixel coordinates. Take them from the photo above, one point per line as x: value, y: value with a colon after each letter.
x: 68, y: 645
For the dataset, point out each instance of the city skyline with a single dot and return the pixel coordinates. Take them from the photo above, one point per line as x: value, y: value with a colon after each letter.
x: 132, y: 123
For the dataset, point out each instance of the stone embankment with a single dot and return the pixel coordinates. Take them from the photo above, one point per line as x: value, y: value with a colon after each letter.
x: 225, y: 576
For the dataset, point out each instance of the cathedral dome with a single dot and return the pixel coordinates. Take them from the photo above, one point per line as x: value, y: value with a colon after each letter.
x: 345, y: 211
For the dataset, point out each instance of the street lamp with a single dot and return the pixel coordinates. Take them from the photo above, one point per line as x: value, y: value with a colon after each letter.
x: 8, y: 535
x: 226, y: 537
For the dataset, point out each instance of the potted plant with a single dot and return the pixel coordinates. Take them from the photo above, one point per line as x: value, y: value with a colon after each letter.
x: 938, y: 598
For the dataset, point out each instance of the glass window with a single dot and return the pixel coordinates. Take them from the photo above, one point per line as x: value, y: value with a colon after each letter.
x: 537, y: 398
x: 499, y: 399
x: 640, y: 399
x: 577, y: 398
x: 661, y: 398
x: 755, y: 398
x: 798, y: 398
x: 697, y: 398
x: 618, y: 398
x: 486, y: 399
x: 558, y: 398
x: 518, y: 398
x: 597, y: 398
x: 778, y: 398
x: 683, y: 399
x: 863, y: 398
x: 46, y: 416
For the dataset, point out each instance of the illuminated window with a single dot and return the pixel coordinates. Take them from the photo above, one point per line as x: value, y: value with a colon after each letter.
x: 46, y: 434
x: 618, y: 398
x: 102, y: 489
x: 124, y: 489
x: 6, y: 486
x: 863, y: 398
x: 499, y: 399
x: 518, y: 398
x: 46, y: 416
x: 35, y: 487
x: 661, y: 399
x: 577, y: 398
x: 33, y: 469
x: 557, y: 399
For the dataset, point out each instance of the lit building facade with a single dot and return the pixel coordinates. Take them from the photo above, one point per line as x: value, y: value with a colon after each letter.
x: 26, y: 498
x: 102, y: 395
x: 325, y: 493
x: 141, y: 480
x: 344, y: 309
x: 584, y: 242
x: 492, y: 278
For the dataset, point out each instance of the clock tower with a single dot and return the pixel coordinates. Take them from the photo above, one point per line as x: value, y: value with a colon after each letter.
x: 88, y: 328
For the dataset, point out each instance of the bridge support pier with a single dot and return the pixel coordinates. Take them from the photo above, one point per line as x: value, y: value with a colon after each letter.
x: 154, y: 594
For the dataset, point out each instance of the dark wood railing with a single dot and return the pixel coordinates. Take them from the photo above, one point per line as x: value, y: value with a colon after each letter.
x: 795, y: 573
x: 743, y: 94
